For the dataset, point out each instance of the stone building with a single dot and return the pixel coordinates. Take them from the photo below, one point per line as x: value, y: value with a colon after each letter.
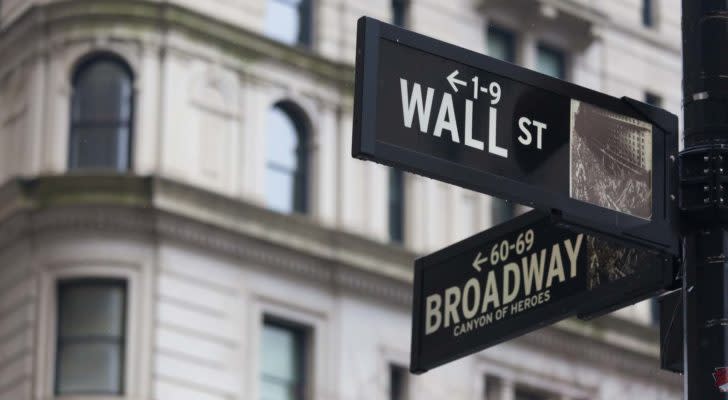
x: 180, y: 216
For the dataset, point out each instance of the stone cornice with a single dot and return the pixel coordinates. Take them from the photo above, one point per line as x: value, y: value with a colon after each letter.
x: 54, y: 18
x: 153, y: 207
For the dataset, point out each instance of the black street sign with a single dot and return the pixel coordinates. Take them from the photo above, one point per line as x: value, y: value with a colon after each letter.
x: 438, y: 110
x: 518, y: 277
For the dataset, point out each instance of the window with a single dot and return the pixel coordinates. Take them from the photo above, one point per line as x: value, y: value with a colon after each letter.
x: 493, y: 388
x: 289, y: 21
x: 397, y: 383
x: 283, y: 362
x: 653, y: 99
x: 287, y: 163
x: 654, y: 312
x: 399, y: 12
x: 551, y: 61
x: 501, y: 44
x: 90, y: 342
x: 648, y: 13
x: 101, y: 115
x: 396, y: 205
x: 502, y: 210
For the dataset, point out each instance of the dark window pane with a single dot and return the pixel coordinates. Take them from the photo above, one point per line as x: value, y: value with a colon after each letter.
x: 287, y: 162
x: 89, y: 368
x: 501, y: 44
x: 492, y: 388
x: 282, y: 361
x: 101, y: 115
x: 92, y: 310
x: 397, y: 383
x: 654, y: 312
x: 502, y: 210
x: 100, y: 146
x: 399, y: 12
x: 647, y: 13
x: 653, y: 99
x: 551, y: 61
x: 90, y: 343
x: 289, y: 21
x: 396, y: 205
x: 529, y: 395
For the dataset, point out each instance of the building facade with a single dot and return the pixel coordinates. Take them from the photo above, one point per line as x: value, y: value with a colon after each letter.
x: 181, y: 218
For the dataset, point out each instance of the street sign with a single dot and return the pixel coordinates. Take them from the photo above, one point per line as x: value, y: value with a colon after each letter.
x: 520, y: 276
x: 438, y: 110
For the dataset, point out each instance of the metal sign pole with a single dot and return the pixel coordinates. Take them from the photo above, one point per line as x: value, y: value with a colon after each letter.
x: 704, y: 198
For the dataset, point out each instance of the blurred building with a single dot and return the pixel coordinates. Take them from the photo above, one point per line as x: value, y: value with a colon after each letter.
x: 180, y: 216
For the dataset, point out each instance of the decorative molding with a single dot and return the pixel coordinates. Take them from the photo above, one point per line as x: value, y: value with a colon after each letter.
x: 159, y: 209
x: 156, y: 23
x: 584, y: 348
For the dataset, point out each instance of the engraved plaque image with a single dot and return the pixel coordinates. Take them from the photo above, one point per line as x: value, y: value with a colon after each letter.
x: 611, y: 160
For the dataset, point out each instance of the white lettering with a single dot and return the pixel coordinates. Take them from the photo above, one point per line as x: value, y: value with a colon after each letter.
x: 572, y: 251
x: 452, y: 300
x: 533, y: 274
x: 469, y: 141
x: 540, y: 127
x: 446, y: 119
x: 526, y: 139
x: 492, y: 146
x: 414, y: 103
x: 556, y: 266
x: 471, y: 291
x: 511, y: 289
x: 434, y: 302
x: 491, y: 293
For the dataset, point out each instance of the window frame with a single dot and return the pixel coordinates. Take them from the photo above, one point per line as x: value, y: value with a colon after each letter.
x: 509, y: 34
x: 653, y: 98
x: 498, y: 378
x: 302, y: 176
x: 649, y: 13
x: 501, y: 210
x: 396, y: 228
x: 562, y: 54
x: 404, y: 383
x: 400, y: 9
x: 81, y: 66
x: 122, y: 341
x: 302, y: 339
x: 305, y: 15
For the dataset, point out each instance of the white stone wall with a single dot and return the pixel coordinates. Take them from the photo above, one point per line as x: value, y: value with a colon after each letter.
x: 18, y: 316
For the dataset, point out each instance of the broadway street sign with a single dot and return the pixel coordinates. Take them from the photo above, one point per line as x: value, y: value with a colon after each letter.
x: 518, y: 277
x: 464, y: 118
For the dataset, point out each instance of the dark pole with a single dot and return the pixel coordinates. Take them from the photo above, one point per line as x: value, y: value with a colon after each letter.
x: 704, y: 196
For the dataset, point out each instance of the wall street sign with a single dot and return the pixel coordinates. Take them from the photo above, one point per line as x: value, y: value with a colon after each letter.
x: 444, y: 112
x: 520, y: 276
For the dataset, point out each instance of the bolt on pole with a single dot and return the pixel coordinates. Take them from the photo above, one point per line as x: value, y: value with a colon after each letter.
x: 704, y: 198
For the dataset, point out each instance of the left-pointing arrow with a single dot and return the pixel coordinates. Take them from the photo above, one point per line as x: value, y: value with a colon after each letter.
x: 478, y: 260
x: 453, y: 80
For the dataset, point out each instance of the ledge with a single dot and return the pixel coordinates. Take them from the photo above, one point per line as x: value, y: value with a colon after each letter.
x: 295, y: 244
x: 161, y: 17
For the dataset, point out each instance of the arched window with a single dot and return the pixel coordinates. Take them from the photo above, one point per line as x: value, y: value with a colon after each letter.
x: 287, y: 159
x: 101, y: 115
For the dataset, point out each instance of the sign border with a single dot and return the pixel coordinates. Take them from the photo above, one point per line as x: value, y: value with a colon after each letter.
x: 660, y: 232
